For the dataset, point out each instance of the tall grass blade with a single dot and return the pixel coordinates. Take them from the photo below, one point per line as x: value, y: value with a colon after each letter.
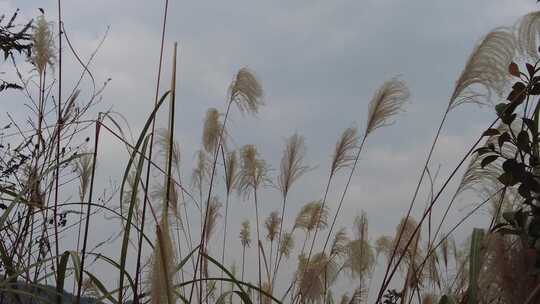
x: 474, y: 264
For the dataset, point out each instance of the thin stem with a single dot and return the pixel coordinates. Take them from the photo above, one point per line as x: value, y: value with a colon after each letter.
x: 278, y: 249
x: 210, y: 187
x: 344, y: 192
x: 147, y: 179
x: 411, y: 205
x: 258, y: 238
x: 224, y: 238
x: 59, y: 106
x: 87, y: 223
x: 435, y: 199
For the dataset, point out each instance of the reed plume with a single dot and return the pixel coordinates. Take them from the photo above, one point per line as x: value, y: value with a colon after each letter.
x: 211, y: 131
x: 344, y: 151
x: 527, y: 34
x: 245, y: 234
x: 211, y: 222
x: 231, y: 179
x: 163, y: 264
x: 33, y: 188
x: 311, y: 216
x: 340, y: 243
x: 131, y: 191
x: 383, y: 245
x: 162, y: 140
x: 292, y: 167
x: 287, y: 244
x: 200, y: 172
x: 83, y: 169
x: 406, y: 228
x: 253, y: 171
x: 245, y: 240
x: 272, y: 222
x: 314, y: 275
x: 213, y: 216
x: 246, y: 92
x: 231, y: 171
x: 487, y: 66
x: 387, y: 102
x: 43, y: 45
x: 253, y: 175
x: 360, y: 254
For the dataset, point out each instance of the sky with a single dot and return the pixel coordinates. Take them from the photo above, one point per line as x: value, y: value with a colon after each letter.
x: 319, y: 63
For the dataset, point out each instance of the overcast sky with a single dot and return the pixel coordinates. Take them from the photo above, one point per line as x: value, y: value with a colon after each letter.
x: 319, y: 63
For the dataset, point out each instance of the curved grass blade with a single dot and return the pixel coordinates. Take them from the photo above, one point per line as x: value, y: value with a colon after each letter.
x: 125, y: 240
x: 61, y: 277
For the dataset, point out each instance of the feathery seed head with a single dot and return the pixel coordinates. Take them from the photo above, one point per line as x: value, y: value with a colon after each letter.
x: 321, y: 271
x: 231, y: 171
x: 339, y: 244
x: 312, y: 215
x: 83, y: 168
x: 212, y: 130
x: 163, y: 263
x: 487, y: 66
x: 43, y: 45
x: 272, y: 225
x: 383, y: 245
x: 246, y: 91
x: 200, y: 171
x: 343, y: 153
x: 245, y: 234
x: 291, y: 163
x: 253, y: 172
x: 287, y: 244
x: 213, y: 215
x: 387, y: 102
x: 527, y: 34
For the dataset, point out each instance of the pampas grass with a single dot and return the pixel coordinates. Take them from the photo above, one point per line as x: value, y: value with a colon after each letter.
x: 312, y: 216
x: 163, y: 264
x: 527, y: 34
x: 246, y: 92
x: 286, y: 245
x: 231, y: 179
x: 43, y: 52
x: 387, y: 102
x: 292, y: 167
x: 344, y: 151
x: 360, y: 253
x: 339, y: 244
x: 246, y: 175
x: 245, y: 240
x: 487, y: 66
x: 211, y: 130
x: 314, y: 275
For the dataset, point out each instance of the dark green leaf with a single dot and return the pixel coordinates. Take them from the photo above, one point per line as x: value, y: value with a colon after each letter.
x: 491, y: 132
x: 530, y: 69
x: 507, y: 179
x: 535, y: 90
x: 523, y: 141
x: 488, y: 160
x: 504, y: 137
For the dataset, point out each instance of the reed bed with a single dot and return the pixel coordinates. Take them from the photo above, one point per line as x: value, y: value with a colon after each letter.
x: 174, y: 240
